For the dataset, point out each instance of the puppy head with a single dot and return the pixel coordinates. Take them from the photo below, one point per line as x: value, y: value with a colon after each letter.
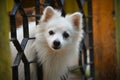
x: 60, y: 32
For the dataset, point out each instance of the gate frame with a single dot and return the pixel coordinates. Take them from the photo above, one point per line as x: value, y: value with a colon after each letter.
x: 21, y: 46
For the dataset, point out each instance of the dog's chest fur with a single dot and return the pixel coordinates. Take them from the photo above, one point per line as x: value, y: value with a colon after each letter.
x: 55, y: 65
x: 55, y: 68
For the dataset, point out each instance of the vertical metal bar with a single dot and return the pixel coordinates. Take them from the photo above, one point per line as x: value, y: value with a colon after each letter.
x: 83, y: 62
x: 82, y: 11
x: 13, y: 27
x: 25, y: 27
x: 85, y: 54
x: 83, y: 45
x: 15, y: 66
x: 27, y: 70
x: 25, y: 22
x: 81, y: 66
x: 90, y: 35
x: 15, y: 73
x: 17, y: 1
x: 37, y: 10
x: 61, y: 7
x: 13, y: 21
x: 80, y: 6
x: 39, y: 72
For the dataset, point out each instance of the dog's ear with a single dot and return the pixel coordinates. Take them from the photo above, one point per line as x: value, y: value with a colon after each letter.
x: 47, y: 13
x: 75, y: 19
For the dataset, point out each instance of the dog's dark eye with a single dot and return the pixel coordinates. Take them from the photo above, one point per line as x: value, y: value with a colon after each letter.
x: 65, y: 35
x: 51, y: 32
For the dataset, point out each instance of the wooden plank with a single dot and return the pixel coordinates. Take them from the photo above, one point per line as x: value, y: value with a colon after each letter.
x: 5, y: 65
x: 104, y: 39
x: 9, y: 4
x: 117, y: 24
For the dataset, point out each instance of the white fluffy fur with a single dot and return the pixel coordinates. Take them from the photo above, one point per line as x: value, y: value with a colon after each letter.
x: 55, y: 62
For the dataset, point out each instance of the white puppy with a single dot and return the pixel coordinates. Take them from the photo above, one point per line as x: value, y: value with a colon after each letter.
x: 56, y: 44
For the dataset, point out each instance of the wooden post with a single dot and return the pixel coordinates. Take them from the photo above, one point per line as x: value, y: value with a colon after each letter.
x: 9, y: 4
x: 104, y: 39
x: 117, y: 25
x: 5, y: 62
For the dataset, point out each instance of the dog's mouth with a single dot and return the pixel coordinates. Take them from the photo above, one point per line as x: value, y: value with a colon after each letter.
x: 56, y: 47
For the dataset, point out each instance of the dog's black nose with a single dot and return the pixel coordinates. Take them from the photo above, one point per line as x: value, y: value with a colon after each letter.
x: 56, y: 43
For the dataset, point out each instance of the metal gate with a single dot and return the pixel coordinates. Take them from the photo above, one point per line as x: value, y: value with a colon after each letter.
x: 85, y: 47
